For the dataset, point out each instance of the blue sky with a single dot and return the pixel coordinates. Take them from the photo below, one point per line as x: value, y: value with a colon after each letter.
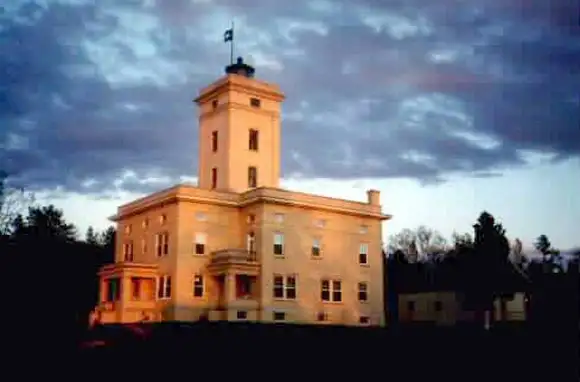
x: 448, y: 107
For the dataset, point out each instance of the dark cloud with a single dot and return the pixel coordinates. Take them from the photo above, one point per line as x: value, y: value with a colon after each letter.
x: 390, y: 88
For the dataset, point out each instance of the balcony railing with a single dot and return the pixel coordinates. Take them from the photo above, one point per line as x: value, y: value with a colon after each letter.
x: 233, y: 256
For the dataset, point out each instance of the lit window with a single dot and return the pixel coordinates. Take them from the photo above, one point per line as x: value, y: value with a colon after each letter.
x: 164, y: 287
x: 316, y: 247
x: 200, y: 243
x: 278, y: 244
x: 198, y: 286
x: 363, y: 253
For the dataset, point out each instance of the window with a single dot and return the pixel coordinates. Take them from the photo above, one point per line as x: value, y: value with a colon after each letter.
x: 197, y: 286
x: 253, y: 140
x: 136, y: 288
x: 279, y: 316
x: 242, y: 315
x: 164, y: 287
x: 321, y: 316
x: 316, y: 247
x: 438, y: 306
x: 363, y: 293
x: 113, y: 289
x: 128, y: 229
x: 214, y: 104
x: 320, y: 223
x: 252, y: 177
x: 284, y: 287
x: 279, y: 218
x: 411, y: 306
x: 251, y: 219
x: 214, y: 175
x: 143, y: 246
x: 200, y: 216
x: 200, y: 243
x: 363, y: 229
x: 145, y: 224
x: 251, y: 243
x: 364, y: 320
x: 162, y: 219
x: 363, y: 254
x: 255, y: 102
x: 214, y: 141
x: 331, y: 290
x: 278, y: 244
x: 162, y: 244
x: 128, y: 251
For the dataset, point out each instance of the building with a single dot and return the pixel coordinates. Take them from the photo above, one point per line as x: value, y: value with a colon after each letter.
x: 236, y: 246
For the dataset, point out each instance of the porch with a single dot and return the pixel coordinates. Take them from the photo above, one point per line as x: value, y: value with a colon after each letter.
x: 236, y: 274
x: 126, y: 293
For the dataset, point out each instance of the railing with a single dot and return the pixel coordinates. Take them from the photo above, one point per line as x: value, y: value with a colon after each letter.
x: 234, y: 256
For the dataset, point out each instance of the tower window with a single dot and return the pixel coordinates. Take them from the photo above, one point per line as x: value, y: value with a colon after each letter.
x: 253, y: 141
x: 255, y: 102
x: 252, y: 177
x: 214, y: 141
x: 214, y: 104
x: 214, y: 177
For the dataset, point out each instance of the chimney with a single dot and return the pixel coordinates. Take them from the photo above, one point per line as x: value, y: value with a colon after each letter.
x: 374, y: 197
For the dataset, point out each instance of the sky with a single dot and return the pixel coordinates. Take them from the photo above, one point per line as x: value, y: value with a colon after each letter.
x: 447, y: 107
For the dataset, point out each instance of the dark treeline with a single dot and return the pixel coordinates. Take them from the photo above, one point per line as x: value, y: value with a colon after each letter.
x: 49, y: 272
x: 484, y: 268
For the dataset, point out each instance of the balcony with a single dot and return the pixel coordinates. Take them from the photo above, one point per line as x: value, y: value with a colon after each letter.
x: 235, y: 261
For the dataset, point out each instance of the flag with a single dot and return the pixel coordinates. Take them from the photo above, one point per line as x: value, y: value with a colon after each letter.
x: 228, y: 35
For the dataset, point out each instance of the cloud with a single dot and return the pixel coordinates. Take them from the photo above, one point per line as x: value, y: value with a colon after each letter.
x: 414, y: 89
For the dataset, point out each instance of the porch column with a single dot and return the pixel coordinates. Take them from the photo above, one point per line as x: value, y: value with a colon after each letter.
x: 102, y: 290
x: 125, y: 289
x: 230, y: 287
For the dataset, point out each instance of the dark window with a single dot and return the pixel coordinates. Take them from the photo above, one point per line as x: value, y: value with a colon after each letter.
x: 364, y: 320
x: 164, y: 287
x: 316, y: 247
x: 321, y: 316
x: 214, y: 175
x: 253, y: 141
x: 252, y: 177
x: 113, y: 289
x: 198, y: 286
x: 325, y: 290
x: 136, y: 288
x: 255, y: 102
x: 279, y: 316
x: 214, y: 104
x: 411, y: 306
x: 363, y: 254
x: 278, y: 244
x: 214, y: 141
x: 278, y: 287
x: 290, y: 288
x: 162, y: 244
x: 199, y: 249
x: 128, y: 250
x: 242, y: 315
x: 362, y: 292
x: 438, y: 306
x: 336, y: 291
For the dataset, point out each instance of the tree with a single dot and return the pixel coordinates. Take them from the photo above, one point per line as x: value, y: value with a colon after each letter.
x: 487, y: 266
x: 45, y: 223
x: 518, y: 258
x: 12, y: 201
x: 543, y: 245
x: 91, y: 237
x: 421, y: 242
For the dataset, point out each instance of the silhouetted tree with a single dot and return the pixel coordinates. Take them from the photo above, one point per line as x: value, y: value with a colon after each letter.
x: 44, y: 223
x: 12, y: 201
x: 543, y: 245
x: 488, y: 265
x: 420, y: 242
x: 91, y: 237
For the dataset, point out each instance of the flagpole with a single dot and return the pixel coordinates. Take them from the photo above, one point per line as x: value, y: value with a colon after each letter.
x: 232, y: 46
